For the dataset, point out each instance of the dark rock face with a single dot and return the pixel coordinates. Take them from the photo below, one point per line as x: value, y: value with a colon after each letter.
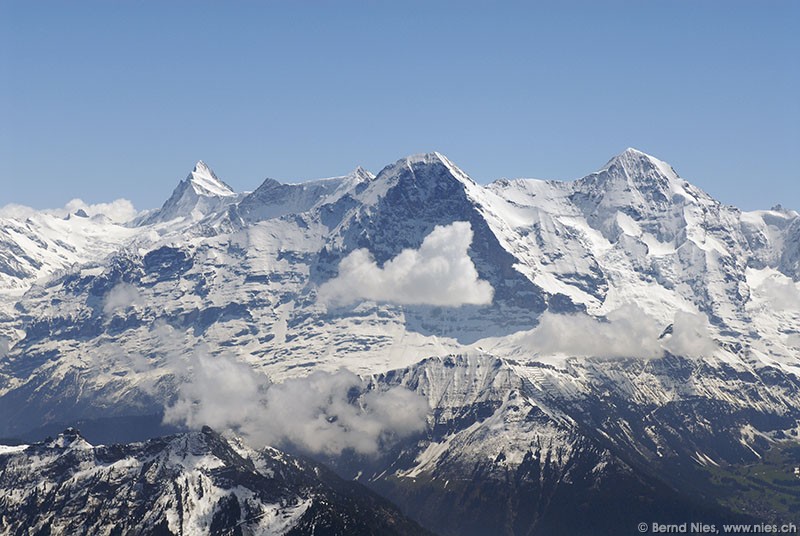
x: 194, y: 483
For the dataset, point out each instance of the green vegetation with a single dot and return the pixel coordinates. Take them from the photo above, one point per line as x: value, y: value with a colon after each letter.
x: 768, y: 489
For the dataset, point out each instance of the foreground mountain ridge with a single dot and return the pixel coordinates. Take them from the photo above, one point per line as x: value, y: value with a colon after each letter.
x: 186, y: 484
x: 641, y: 337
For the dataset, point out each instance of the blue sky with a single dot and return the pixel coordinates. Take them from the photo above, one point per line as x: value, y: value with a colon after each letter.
x: 101, y: 100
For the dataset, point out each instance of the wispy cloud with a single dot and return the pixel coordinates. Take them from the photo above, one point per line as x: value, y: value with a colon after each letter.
x: 781, y: 293
x: 440, y: 273
x: 691, y: 336
x: 793, y: 340
x: 121, y: 296
x: 119, y: 211
x: 323, y: 412
x: 626, y: 332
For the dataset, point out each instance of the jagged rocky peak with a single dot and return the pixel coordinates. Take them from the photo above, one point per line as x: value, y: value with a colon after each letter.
x: 640, y: 171
x: 361, y: 174
x: 641, y: 187
x: 634, y: 162
x: 199, y: 194
x: 636, y: 179
x: 426, y: 175
x: 273, y: 199
x: 432, y: 161
x: 70, y: 438
x: 204, y: 182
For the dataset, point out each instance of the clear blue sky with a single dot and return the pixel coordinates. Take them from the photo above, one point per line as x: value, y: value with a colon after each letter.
x: 101, y: 100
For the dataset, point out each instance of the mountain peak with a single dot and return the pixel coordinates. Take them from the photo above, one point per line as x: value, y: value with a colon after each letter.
x: 69, y: 438
x: 633, y: 171
x: 426, y: 158
x: 206, y: 183
x: 428, y: 162
x: 200, y: 193
x: 633, y: 151
x: 202, y: 166
x: 361, y: 173
x: 634, y: 163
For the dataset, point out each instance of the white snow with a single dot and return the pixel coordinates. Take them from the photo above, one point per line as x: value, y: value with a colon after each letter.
x: 206, y: 183
x: 11, y: 449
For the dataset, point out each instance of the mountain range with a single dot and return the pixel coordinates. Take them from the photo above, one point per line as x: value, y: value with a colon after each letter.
x: 522, y: 357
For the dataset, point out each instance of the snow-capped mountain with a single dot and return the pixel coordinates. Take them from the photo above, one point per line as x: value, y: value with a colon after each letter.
x: 274, y: 199
x: 199, y: 194
x: 188, y: 484
x: 621, y: 334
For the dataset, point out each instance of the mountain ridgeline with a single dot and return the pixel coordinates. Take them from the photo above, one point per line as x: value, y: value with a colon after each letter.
x: 591, y: 354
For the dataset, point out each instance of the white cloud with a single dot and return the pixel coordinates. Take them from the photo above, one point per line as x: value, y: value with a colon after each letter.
x: 781, y: 292
x: 626, y: 332
x: 219, y: 392
x: 119, y: 211
x: 691, y: 336
x: 793, y: 340
x: 318, y: 413
x: 5, y: 346
x: 17, y: 212
x: 440, y: 272
x: 123, y: 295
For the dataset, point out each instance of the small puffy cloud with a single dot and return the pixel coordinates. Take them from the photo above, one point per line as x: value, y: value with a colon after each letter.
x: 439, y: 273
x: 793, y: 339
x: 119, y: 211
x: 324, y: 413
x: 17, y: 212
x: 5, y: 346
x: 219, y: 392
x: 691, y: 336
x: 781, y: 293
x: 318, y: 413
x: 120, y: 297
x: 626, y: 332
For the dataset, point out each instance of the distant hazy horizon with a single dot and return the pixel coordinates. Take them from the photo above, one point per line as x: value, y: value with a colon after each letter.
x: 103, y: 101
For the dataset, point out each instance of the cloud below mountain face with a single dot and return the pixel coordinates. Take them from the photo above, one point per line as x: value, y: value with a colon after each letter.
x: 626, y: 332
x: 691, y: 336
x: 781, y: 293
x: 121, y: 296
x: 439, y: 273
x: 322, y: 413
